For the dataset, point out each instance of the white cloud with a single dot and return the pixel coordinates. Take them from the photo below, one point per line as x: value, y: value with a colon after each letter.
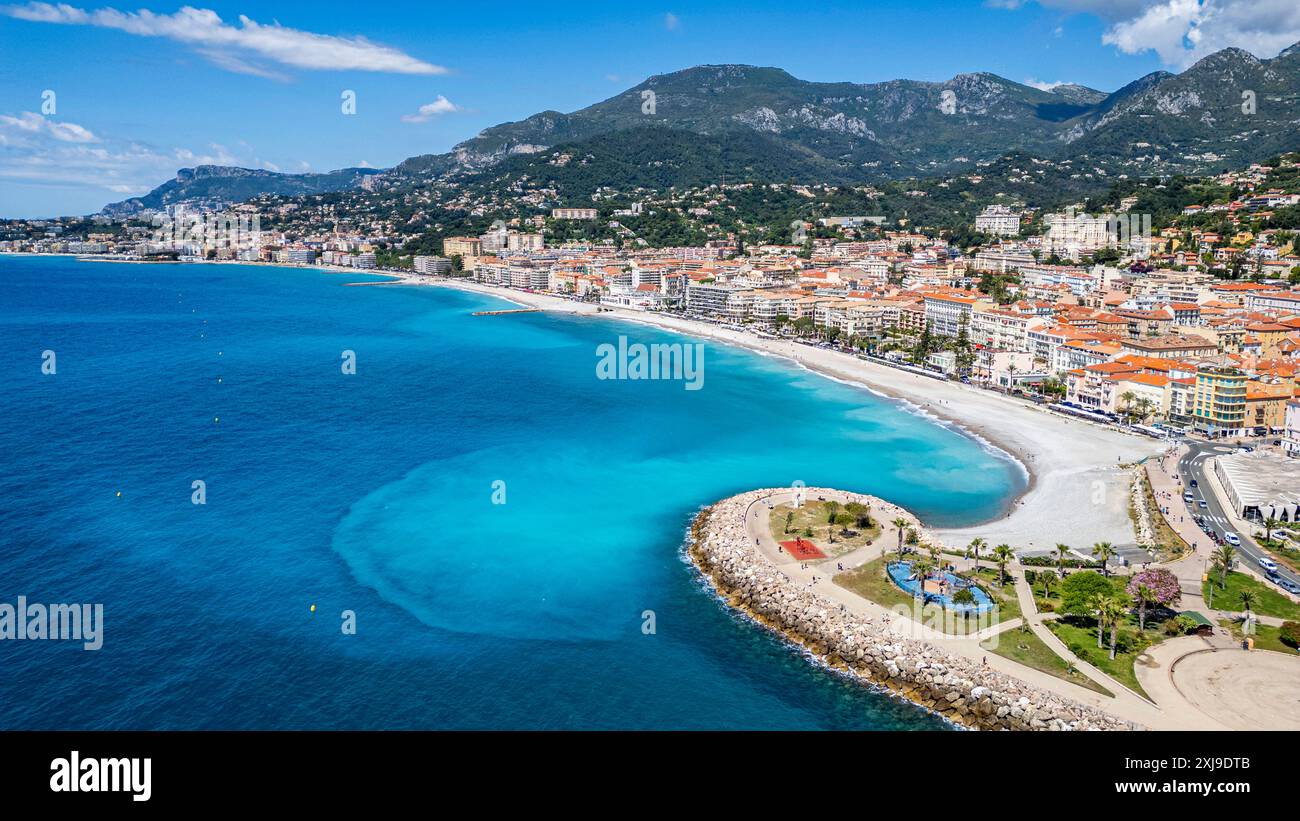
x: 31, y: 123
x: 430, y: 110
x: 1183, y: 31
x: 230, y: 47
x: 40, y: 152
x: 672, y: 22
x: 1042, y: 86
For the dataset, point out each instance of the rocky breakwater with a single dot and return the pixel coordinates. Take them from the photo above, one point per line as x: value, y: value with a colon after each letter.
x: 956, y: 687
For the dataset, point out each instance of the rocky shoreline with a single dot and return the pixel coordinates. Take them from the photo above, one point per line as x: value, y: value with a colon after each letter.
x: 954, y: 687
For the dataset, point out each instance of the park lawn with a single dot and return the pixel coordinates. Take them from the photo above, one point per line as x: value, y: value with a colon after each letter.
x: 1268, y: 602
x: 1046, y: 604
x: 1025, y: 647
x: 1267, y: 637
x: 813, y: 515
x: 870, y: 582
x: 1082, y: 641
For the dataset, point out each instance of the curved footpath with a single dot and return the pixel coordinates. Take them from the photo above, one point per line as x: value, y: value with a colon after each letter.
x: 868, y: 647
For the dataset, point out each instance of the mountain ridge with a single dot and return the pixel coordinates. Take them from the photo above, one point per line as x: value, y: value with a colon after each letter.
x: 1158, y: 124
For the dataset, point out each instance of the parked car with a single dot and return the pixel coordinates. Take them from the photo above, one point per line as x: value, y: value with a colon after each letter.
x: 1188, y: 497
x: 1289, y: 586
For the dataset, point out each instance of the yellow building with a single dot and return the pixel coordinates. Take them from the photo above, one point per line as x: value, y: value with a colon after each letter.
x: 1219, y: 399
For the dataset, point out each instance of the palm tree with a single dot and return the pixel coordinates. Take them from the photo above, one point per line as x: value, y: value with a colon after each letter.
x: 1144, y: 407
x: 1097, y: 604
x: 1113, y: 610
x: 1048, y: 581
x: 1128, y: 397
x: 1223, y: 557
x: 1248, y: 599
x: 922, y: 568
x: 1145, y: 597
x: 1103, y: 552
x: 899, y: 524
x: 975, y: 546
x: 1003, y: 554
x: 1269, y: 524
x: 1062, y: 550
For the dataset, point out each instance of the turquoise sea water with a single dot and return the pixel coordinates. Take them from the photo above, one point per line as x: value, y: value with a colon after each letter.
x: 374, y: 493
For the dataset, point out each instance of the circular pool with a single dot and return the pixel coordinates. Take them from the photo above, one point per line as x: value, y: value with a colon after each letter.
x: 948, y: 585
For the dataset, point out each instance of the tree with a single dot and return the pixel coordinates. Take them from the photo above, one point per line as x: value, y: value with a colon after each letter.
x: 924, y: 345
x: 1222, y: 558
x: 1156, y: 586
x: 1079, y: 589
x: 1048, y: 580
x: 965, y: 354
x: 1128, y: 397
x: 1062, y: 550
x: 1104, y: 552
x: 966, y: 598
x: 900, y: 524
x: 832, y: 508
x: 1111, y: 611
x: 921, y: 568
x: 1248, y: 599
x: 789, y: 519
x: 1003, y: 555
x: 974, y: 548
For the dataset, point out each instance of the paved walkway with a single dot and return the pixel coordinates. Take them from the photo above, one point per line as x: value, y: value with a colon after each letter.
x: 817, y: 575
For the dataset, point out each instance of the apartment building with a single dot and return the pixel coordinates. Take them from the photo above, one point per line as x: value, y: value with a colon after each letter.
x: 462, y: 246
x: 948, y: 311
x: 1171, y: 346
x: 998, y: 220
x: 1218, y: 402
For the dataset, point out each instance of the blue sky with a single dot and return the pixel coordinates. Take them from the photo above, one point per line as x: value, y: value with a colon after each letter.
x: 141, y: 90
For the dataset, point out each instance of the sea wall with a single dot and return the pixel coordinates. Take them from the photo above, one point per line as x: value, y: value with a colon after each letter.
x: 957, y: 688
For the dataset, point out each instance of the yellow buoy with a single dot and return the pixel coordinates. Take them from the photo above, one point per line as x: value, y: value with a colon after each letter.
x: 313, y: 608
x: 119, y: 493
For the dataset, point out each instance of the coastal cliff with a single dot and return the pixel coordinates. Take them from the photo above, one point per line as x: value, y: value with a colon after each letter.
x: 957, y: 688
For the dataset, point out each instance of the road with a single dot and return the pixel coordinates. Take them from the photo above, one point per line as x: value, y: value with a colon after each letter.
x: 1193, y: 467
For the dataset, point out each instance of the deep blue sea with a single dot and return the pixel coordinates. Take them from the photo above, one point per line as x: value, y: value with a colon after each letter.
x: 373, y: 492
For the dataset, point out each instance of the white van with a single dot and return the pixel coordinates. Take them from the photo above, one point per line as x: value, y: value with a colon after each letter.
x: 1268, y: 564
x: 1232, y: 539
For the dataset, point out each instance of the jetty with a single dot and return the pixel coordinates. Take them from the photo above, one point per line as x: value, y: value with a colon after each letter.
x: 507, y: 311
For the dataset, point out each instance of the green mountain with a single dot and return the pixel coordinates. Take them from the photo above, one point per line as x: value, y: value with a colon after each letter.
x: 1162, y: 123
x: 214, y: 186
x: 703, y: 124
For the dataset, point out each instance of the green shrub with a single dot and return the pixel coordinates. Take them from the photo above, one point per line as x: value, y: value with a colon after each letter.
x: 1289, y: 633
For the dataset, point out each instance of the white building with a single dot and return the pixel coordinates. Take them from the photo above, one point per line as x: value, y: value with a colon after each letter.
x: 998, y: 220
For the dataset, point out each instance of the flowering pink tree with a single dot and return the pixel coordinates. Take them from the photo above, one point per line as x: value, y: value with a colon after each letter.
x: 1152, y: 587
